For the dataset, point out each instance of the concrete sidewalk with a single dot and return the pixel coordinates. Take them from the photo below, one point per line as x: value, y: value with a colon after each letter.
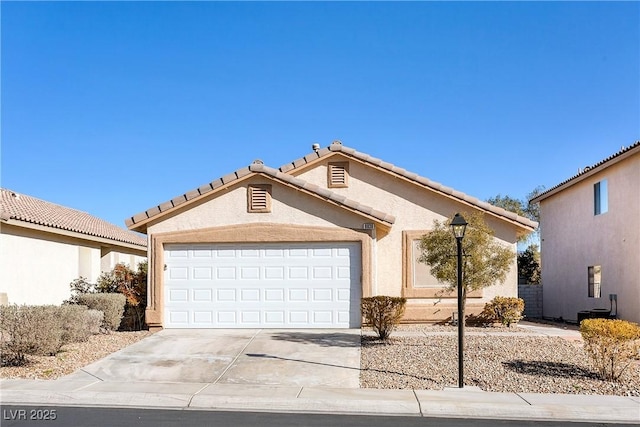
x: 84, y: 389
x: 469, y: 402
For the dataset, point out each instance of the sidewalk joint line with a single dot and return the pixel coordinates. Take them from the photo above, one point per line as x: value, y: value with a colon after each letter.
x: 237, y: 356
x: 87, y: 385
x: 89, y: 373
x: 526, y: 401
x: 196, y: 393
x: 299, y: 392
x: 417, y: 400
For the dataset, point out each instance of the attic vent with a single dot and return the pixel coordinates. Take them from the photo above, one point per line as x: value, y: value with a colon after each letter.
x: 259, y: 198
x: 338, y: 175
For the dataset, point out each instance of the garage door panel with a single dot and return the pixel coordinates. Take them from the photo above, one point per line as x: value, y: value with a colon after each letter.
x: 262, y: 285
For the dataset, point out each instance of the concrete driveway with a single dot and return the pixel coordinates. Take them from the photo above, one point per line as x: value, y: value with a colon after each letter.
x: 309, y: 357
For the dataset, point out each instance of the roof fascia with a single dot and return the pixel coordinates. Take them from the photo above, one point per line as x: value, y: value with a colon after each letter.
x: 584, y: 175
x: 141, y: 225
x: 73, y: 234
x: 414, y: 182
x: 385, y: 225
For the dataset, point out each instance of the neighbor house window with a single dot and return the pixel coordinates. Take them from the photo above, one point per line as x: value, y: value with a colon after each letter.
x: 600, y: 197
x: 338, y: 175
x: 259, y: 198
x: 595, y: 276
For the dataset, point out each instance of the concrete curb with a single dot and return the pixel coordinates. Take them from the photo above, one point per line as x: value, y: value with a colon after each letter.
x: 469, y: 402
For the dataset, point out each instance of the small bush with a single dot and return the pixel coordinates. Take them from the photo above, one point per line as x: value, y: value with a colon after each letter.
x: 29, y: 330
x: 506, y: 310
x: 94, y: 319
x: 383, y: 313
x: 112, y: 305
x: 79, y: 322
x: 611, y: 344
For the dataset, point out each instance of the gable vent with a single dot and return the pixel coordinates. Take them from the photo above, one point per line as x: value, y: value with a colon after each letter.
x: 338, y: 175
x: 259, y: 198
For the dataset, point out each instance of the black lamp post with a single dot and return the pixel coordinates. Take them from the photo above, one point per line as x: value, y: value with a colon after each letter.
x: 458, y: 226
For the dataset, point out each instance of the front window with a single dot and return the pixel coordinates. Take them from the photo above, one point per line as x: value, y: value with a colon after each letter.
x: 600, y: 197
x: 595, y: 276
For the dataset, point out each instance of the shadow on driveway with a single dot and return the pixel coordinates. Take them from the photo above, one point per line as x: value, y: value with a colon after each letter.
x: 323, y: 339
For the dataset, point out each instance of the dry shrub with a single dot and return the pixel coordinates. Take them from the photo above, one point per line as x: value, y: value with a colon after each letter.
x: 506, y: 310
x: 383, y: 313
x: 111, y: 304
x: 30, y: 330
x: 611, y: 344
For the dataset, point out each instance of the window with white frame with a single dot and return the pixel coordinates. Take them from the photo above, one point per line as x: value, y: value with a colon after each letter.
x: 600, y: 197
x: 595, y: 277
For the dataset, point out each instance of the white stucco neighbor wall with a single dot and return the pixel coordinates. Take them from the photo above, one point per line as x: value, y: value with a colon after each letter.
x: 37, y: 267
x: 573, y: 238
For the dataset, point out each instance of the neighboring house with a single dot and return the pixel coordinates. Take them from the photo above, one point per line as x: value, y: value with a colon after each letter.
x: 44, y: 246
x: 590, y: 240
x: 300, y: 245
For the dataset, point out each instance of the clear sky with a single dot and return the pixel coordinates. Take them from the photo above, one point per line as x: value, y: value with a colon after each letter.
x: 115, y: 107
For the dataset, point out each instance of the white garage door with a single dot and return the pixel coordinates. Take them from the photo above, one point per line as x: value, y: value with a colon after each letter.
x: 275, y: 285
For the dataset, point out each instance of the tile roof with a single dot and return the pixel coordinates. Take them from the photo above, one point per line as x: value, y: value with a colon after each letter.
x: 589, y: 170
x: 284, y: 174
x: 20, y: 207
x: 337, y: 146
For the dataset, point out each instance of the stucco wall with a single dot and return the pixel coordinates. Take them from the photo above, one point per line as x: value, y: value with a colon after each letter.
x: 37, y: 268
x: 573, y: 238
x: 413, y: 207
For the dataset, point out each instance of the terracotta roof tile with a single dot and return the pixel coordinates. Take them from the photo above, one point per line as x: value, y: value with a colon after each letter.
x: 327, y: 194
x: 283, y: 174
x: 21, y: 207
x: 338, y: 147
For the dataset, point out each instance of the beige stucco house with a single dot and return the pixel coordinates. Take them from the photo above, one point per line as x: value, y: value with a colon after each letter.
x: 300, y: 245
x: 590, y: 247
x: 44, y: 246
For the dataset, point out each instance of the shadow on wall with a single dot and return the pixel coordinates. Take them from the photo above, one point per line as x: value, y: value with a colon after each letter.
x: 323, y: 339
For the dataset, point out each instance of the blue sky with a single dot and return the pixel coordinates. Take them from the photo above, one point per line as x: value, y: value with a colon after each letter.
x: 115, y: 107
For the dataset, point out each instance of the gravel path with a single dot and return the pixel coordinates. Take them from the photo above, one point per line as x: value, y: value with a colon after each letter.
x: 505, y: 363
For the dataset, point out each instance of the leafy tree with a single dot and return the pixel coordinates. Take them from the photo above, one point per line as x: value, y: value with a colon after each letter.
x: 132, y: 284
x: 485, y: 261
x: 521, y: 207
x: 529, y: 265
x: 124, y: 280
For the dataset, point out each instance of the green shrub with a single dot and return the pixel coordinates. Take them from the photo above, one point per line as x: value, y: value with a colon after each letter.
x: 29, y: 330
x: 611, y: 344
x: 383, y: 313
x: 506, y: 310
x: 112, y: 305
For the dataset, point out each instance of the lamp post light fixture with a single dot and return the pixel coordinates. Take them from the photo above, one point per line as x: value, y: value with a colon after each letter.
x: 459, y: 226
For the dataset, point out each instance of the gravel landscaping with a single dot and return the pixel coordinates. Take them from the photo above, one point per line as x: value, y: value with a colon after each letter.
x: 510, y: 362
x: 73, y: 356
x: 515, y: 360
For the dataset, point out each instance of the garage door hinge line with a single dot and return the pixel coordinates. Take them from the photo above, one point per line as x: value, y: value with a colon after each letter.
x: 237, y: 356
